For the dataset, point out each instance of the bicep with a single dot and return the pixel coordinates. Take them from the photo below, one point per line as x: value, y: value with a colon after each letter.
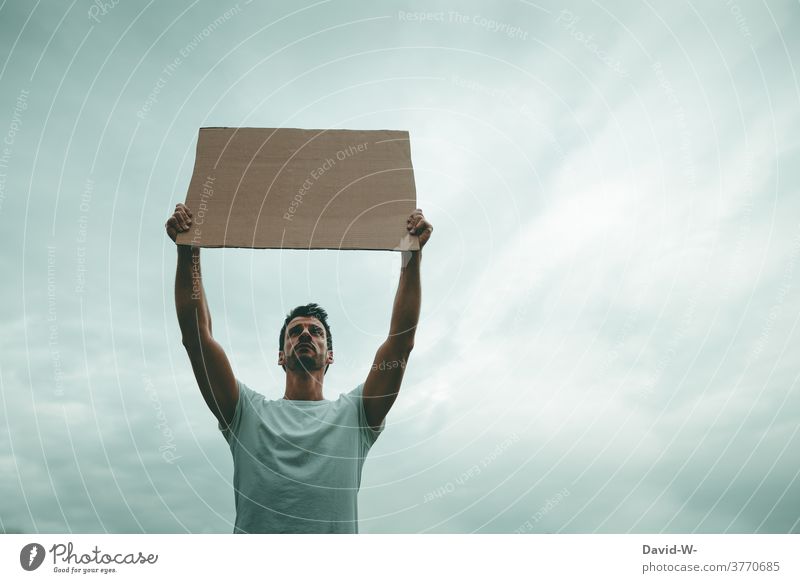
x: 214, y: 377
x: 383, y: 381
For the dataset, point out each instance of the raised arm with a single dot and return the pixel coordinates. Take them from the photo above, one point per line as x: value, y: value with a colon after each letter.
x: 209, y: 362
x: 386, y: 374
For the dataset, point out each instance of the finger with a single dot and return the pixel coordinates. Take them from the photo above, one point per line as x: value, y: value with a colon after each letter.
x: 184, y: 218
x: 187, y: 218
x: 182, y: 207
x: 175, y: 224
x: 423, y: 225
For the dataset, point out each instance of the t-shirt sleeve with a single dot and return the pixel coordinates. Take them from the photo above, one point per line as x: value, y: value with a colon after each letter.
x: 245, y: 395
x: 368, y: 434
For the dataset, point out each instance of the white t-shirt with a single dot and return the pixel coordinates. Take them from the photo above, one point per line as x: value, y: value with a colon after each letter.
x: 297, y: 464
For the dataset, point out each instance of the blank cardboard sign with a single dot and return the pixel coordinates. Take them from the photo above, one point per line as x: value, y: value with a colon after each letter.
x: 301, y: 189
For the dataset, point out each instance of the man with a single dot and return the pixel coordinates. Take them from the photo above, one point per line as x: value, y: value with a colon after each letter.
x: 297, y: 461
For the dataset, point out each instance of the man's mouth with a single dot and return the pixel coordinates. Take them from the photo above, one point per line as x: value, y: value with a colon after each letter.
x: 301, y: 346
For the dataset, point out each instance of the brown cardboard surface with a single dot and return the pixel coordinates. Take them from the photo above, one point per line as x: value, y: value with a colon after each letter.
x: 301, y: 189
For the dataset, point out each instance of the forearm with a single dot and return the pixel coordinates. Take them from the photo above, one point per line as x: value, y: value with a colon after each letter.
x: 190, y: 298
x: 407, y: 301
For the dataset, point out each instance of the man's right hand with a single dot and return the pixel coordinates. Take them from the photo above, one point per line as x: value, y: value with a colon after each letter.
x: 179, y: 222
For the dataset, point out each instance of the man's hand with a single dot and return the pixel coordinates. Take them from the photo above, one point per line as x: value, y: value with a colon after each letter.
x: 181, y: 220
x: 418, y: 225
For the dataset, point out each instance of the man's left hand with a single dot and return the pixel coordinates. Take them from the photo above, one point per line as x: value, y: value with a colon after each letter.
x: 418, y: 225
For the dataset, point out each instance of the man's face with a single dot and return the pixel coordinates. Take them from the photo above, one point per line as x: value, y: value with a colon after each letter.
x: 305, y: 345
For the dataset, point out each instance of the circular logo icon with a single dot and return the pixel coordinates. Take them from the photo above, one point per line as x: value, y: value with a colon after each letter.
x: 31, y: 556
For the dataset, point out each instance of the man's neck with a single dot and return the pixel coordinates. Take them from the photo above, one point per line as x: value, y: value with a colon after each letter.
x: 303, y: 385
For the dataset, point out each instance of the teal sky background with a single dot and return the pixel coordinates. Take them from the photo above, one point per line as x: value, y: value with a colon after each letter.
x: 608, y: 339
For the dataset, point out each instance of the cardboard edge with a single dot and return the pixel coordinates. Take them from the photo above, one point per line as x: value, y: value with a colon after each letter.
x: 185, y: 238
x: 414, y: 247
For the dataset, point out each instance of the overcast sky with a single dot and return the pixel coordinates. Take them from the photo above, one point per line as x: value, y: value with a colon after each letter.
x: 608, y: 339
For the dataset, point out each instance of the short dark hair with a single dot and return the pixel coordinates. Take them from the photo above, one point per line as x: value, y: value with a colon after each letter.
x: 307, y: 311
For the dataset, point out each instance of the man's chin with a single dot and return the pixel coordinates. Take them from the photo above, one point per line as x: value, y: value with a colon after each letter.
x: 306, y: 363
